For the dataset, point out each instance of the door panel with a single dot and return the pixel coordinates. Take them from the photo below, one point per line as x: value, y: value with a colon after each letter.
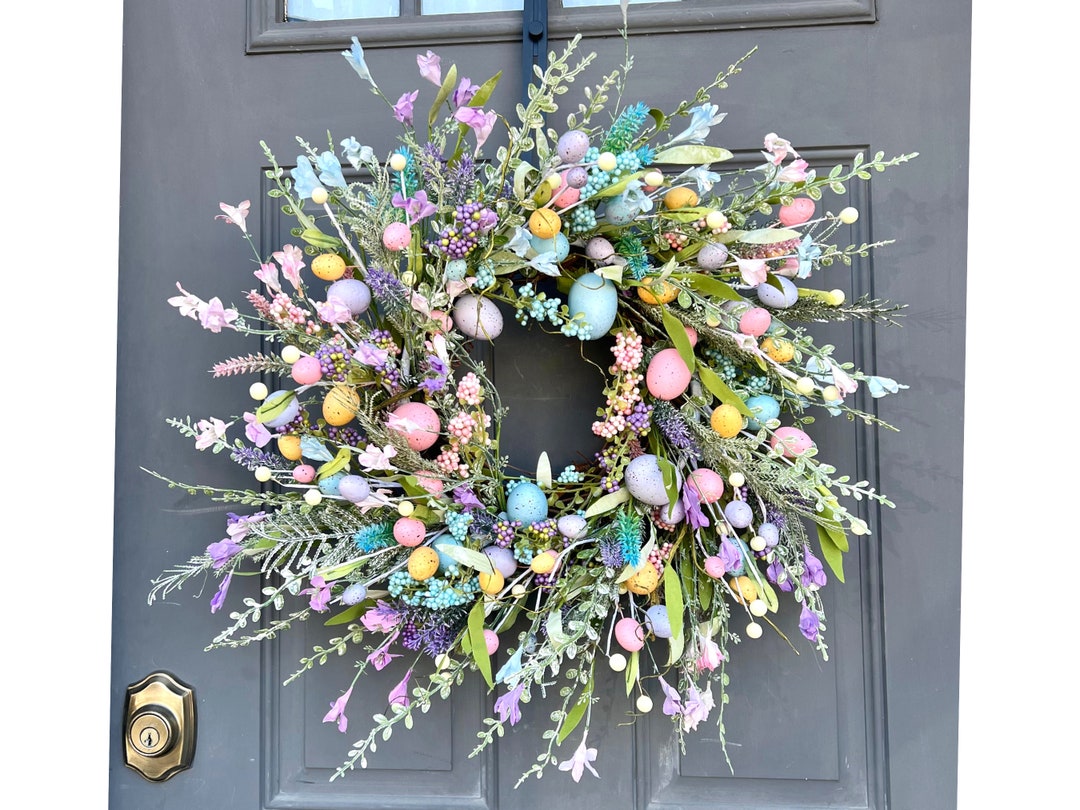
x: 802, y: 732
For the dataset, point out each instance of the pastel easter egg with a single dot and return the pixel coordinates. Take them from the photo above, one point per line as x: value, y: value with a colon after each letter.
x: 656, y: 619
x: 456, y: 268
x: 289, y: 446
x: 620, y: 211
x: 778, y: 299
x: 755, y: 321
x: 667, y: 375
x: 354, y: 594
x: 645, y: 480
x: 396, y: 236
x: 726, y: 421
x: 739, y: 514
x: 559, y: 245
x: 793, y: 441
x: 502, y: 559
x: 672, y: 513
x: 303, y: 473
x: 572, y: 146
x: 527, y: 503
x: 770, y: 532
x: 629, y: 634
x: 764, y: 408
x: 491, y: 641
x: 287, y: 414
x: 599, y: 249
x: 800, y: 211
x: 658, y: 291
x: 307, y: 370
x: 745, y: 590
x: 478, y: 317
x: 446, y: 562
x: 780, y: 350
x: 491, y: 583
x: 544, y: 223
x: 409, y: 532
x: 329, y: 484
x: 544, y: 562
x: 691, y: 335
x: 572, y: 527
x: 597, y: 300
x: 577, y: 177
x: 355, y: 294
x: 565, y: 194
x: 354, y: 488
x: 714, y: 567
x: 680, y: 197
x: 419, y: 424
x: 423, y: 563
x: 708, y: 484
x: 340, y: 405
x: 431, y: 485
x: 328, y: 266
x: 712, y: 256
x: 644, y: 581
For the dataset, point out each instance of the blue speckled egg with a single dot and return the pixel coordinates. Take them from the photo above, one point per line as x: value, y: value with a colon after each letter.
x: 645, y: 481
x: 573, y: 145
x: 764, y: 408
x: 353, y: 292
x: 739, y: 514
x: 502, y: 559
x: 778, y: 299
x: 329, y: 485
x: 620, y: 211
x: 354, y: 488
x: 527, y: 503
x: 597, y: 300
x: 560, y: 246
x: 354, y: 594
x: 656, y: 619
x: 456, y: 268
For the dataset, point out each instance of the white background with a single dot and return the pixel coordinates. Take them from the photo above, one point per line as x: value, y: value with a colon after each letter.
x: 61, y: 125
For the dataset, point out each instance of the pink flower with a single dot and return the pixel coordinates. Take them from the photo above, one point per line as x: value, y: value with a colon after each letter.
x: 370, y: 355
x: 337, y: 712
x: 478, y: 121
x: 236, y: 215
x: 697, y: 707
x: 375, y: 459
x: 583, y: 758
x: 794, y: 172
x: 215, y: 317
x: 320, y: 594
x: 381, y: 658
x: 754, y: 271
x: 268, y: 275
x: 710, y: 657
x: 778, y: 149
x: 430, y: 69
x: 382, y: 618
x: 256, y: 431
x: 189, y: 305
x: 291, y: 259
x: 334, y: 310
x: 672, y: 701
x: 841, y: 380
x: 399, y: 695
x: 210, y: 431
x: 403, y: 110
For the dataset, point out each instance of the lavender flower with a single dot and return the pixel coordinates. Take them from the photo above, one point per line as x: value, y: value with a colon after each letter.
x: 507, y: 705
x: 809, y: 623
x: 387, y: 289
x: 611, y: 552
x: 466, y: 497
x: 219, y: 597
x: 337, y: 712
x: 777, y: 575
x: 814, y: 576
x: 222, y: 551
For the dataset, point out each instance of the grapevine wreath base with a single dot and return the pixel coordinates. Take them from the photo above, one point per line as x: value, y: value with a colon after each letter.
x: 382, y: 501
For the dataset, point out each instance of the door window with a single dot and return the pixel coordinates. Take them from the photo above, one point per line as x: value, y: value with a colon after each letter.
x: 311, y: 10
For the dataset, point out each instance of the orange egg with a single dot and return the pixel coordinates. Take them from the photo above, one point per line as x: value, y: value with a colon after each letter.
x: 644, y: 581
x: 745, y: 591
x: 726, y: 421
x: 340, y: 405
x: 328, y: 266
x: 544, y: 223
x: 423, y: 563
x: 658, y: 292
x: 681, y: 197
x: 780, y: 350
x: 491, y: 583
x: 289, y: 446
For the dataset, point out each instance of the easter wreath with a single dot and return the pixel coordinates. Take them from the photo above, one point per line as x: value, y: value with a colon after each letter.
x: 384, y: 500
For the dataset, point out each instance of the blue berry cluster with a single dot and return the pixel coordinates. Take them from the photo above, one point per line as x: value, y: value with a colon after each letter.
x: 458, y: 524
x: 485, y: 275
x: 435, y: 593
x: 537, y: 307
x: 570, y: 476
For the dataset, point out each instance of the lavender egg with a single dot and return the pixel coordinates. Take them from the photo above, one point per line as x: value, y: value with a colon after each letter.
x: 672, y: 513
x: 599, y: 249
x: 739, y: 514
x: 292, y: 410
x: 770, y: 533
x: 573, y: 145
x: 354, y: 488
x: 778, y: 299
x: 353, y: 292
x: 712, y: 256
x: 656, y: 619
x: 577, y: 177
x: 478, y: 317
x: 502, y: 559
x: 572, y: 527
x: 354, y: 594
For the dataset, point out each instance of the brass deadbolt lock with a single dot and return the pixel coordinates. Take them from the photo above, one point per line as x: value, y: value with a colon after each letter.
x: 159, y: 726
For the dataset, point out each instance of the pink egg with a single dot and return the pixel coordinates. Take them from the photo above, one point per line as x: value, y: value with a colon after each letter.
x: 797, y: 213
x: 629, y: 634
x: 396, y: 236
x: 417, y: 422
x: 304, y: 474
x: 431, y: 485
x: 755, y: 321
x: 491, y: 638
x: 667, y: 376
x: 708, y: 484
x: 714, y: 567
x: 409, y: 531
x: 795, y: 442
x: 691, y: 335
x: 307, y: 370
x: 565, y: 194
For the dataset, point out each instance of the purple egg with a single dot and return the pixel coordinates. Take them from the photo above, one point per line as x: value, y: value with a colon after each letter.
x: 292, y: 410
x: 502, y: 559
x: 573, y: 145
x: 770, y: 533
x: 577, y: 177
x: 739, y: 514
x: 778, y: 299
x: 354, y: 488
x: 599, y: 249
x: 353, y: 292
x: 712, y: 256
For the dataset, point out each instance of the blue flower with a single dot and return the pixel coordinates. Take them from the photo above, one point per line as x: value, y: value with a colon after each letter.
x: 355, y: 55
x: 519, y: 242
x: 880, y: 386
x: 312, y: 448
x: 808, y: 252
x: 702, y: 119
x: 330, y: 170
x: 511, y: 668
x: 304, y: 178
x: 356, y: 153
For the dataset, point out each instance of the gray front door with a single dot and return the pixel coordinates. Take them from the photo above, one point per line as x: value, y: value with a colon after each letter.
x: 876, y: 725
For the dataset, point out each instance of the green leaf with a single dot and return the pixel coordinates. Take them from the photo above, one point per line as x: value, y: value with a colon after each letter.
x: 335, y: 465
x: 521, y: 173
x: 573, y: 717
x: 338, y: 571
x: 608, y: 502
x: 659, y: 117
x: 620, y: 187
x: 704, y: 590
x: 673, y: 598
x: 477, y: 643
x: 713, y: 287
x: 353, y: 612
x: 769, y: 236
x: 833, y: 555
x: 466, y: 556
x: 718, y: 388
x: 677, y: 332
x: 484, y: 92
x: 316, y: 238
x: 769, y: 595
x: 444, y: 93
x: 631, y: 673
x: 671, y: 485
x: 692, y: 155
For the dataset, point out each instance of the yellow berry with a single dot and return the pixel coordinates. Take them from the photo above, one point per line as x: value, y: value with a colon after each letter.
x: 607, y: 161
x: 405, y: 508
x: 849, y: 215
x: 654, y: 178
x: 258, y: 391
x: 804, y: 385
x: 835, y: 298
x: 830, y: 393
x: 398, y: 162
x: 262, y: 474
x: 290, y: 354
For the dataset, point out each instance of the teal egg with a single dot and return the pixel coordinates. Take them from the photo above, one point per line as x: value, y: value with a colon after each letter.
x: 597, y: 300
x: 331, y: 485
x: 527, y: 503
x: 764, y: 408
x: 620, y: 211
x: 560, y: 246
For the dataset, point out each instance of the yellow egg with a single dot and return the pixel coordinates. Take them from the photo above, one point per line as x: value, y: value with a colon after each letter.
x: 328, y: 266
x: 726, y: 420
x: 544, y: 223
x: 491, y: 583
x: 644, y: 581
x: 745, y: 590
x: 658, y: 292
x: 289, y: 446
x: 340, y: 405
x: 543, y: 563
x: 423, y: 563
x: 681, y: 197
x: 780, y: 350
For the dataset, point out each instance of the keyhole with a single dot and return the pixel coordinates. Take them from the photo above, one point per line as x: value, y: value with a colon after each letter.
x: 150, y: 739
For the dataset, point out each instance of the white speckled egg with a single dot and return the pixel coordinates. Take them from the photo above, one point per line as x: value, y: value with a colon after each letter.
x: 712, y: 256
x: 527, y: 503
x: 672, y: 513
x: 478, y: 317
x: 778, y: 299
x: 597, y: 300
x: 353, y: 292
x: 667, y: 376
x: 645, y: 481
x: 572, y: 527
x: 354, y: 488
x: 573, y: 145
